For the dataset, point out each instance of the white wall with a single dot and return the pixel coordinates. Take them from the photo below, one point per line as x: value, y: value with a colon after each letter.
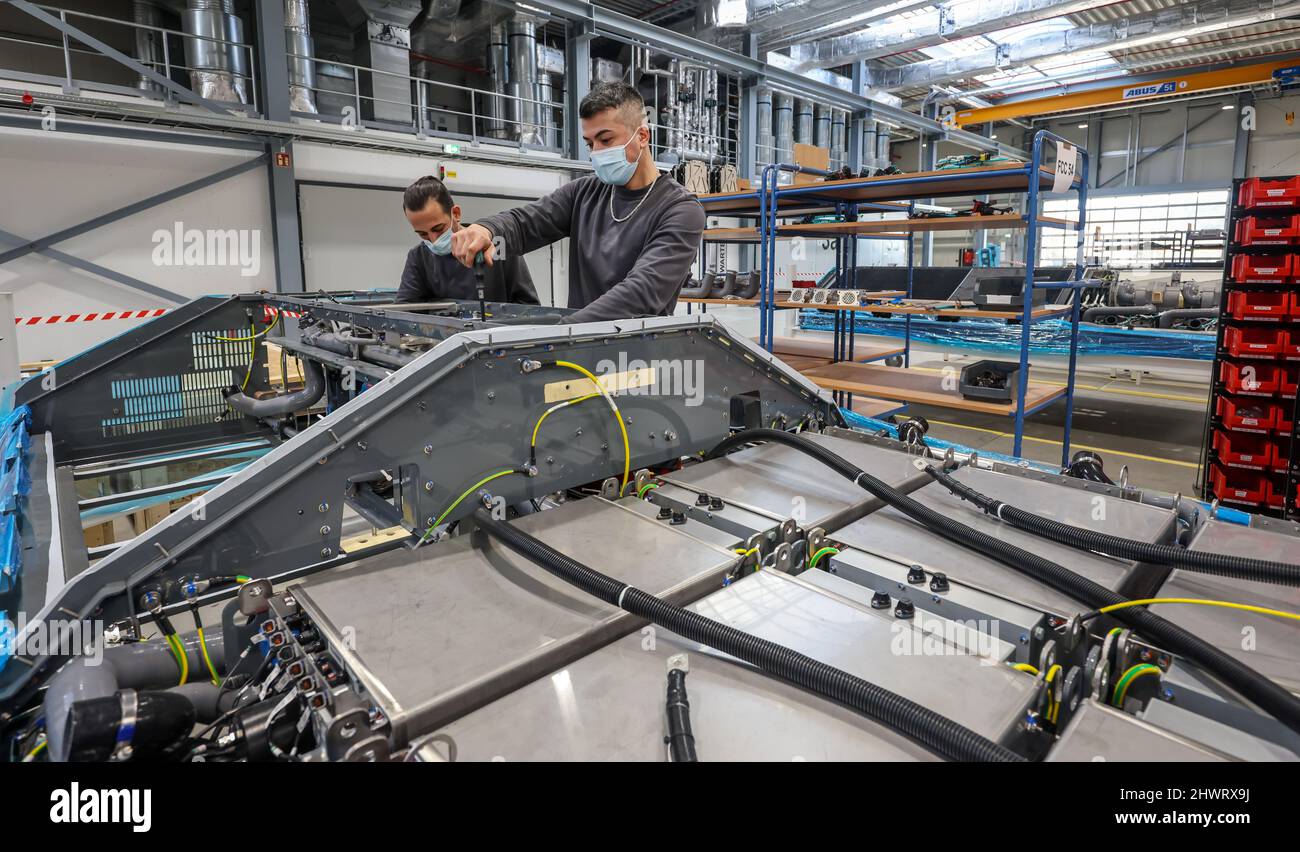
x: 52, y: 181
x: 55, y: 180
x: 1275, y: 143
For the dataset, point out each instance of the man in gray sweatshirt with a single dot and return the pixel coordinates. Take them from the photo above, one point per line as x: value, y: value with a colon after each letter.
x: 633, y: 234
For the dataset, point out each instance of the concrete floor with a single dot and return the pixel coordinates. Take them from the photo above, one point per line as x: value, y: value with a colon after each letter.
x: 1154, y: 428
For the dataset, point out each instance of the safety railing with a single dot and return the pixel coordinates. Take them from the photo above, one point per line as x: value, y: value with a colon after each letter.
x: 171, y: 46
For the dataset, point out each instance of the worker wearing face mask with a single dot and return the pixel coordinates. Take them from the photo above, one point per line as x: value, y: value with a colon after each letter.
x: 431, y: 273
x: 633, y: 235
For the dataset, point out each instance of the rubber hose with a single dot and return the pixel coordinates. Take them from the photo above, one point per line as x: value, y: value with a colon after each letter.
x: 278, y: 406
x: 1201, y: 562
x: 1270, y: 697
x: 681, y: 742
x: 936, y: 732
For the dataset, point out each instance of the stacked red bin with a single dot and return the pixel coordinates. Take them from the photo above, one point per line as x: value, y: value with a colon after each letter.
x: 1257, y: 369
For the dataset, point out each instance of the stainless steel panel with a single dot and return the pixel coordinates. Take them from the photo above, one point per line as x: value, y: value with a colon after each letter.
x: 1097, y: 733
x: 1269, y: 645
x: 785, y: 482
x: 610, y: 704
x: 452, y: 625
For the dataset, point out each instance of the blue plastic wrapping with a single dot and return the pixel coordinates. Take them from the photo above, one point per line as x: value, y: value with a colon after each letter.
x: 7, y: 637
x: 1049, y: 337
x: 10, y: 551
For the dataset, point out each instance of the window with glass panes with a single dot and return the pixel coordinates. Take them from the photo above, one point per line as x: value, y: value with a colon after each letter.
x: 1127, y: 231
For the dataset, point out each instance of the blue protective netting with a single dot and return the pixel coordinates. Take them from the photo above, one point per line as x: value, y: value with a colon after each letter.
x: 1049, y: 337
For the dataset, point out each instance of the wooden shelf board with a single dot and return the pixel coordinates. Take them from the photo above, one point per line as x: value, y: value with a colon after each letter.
x: 885, y: 228
x: 898, y: 383
x: 979, y: 180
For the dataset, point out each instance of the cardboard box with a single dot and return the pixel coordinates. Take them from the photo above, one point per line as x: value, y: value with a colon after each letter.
x: 812, y: 157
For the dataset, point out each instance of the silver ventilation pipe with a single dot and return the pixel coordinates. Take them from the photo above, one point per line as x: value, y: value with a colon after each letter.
x: 212, y: 63
x: 763, y: 127
x: 839, y: 135
x: 550, y: 76
x: 803, y: 121
x: 497, y: 107
x: 302, y: 56
x: 822, y: 126
x: 521, y: 34
x: 148, y: 43
x: 783, y: 114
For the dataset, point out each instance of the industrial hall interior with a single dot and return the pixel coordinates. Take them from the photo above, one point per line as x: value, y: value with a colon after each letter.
x: 458, y: 381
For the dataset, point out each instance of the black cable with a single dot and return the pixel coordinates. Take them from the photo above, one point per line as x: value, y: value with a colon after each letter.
x: 932, y: 730
x: 1266, y: 694
x: 1201, y: 562
x: 681, y: 742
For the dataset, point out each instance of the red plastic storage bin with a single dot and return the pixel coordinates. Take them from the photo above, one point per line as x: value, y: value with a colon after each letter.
x: 1257, y: 342
x: 1240, y: 486
x: 1250, y: 378
x: 1281, y: 453
x: 1238, y: 450
x: 1259, y: 306
x: 1261, y: 268
x: 1282, y: 421
x: 1269, y: 192
x: 1265, y: 230
x: 1245, y: 415
x: 1288, y: 345
x: 1288, y: 379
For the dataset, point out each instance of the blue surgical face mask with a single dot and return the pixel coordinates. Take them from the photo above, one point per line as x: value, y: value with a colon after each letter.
x: 440, y: 246
x: 612, y: 166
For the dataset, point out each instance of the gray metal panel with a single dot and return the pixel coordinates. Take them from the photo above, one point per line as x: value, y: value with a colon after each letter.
x: 610, y: 705
x: 889, y: 533
x: 1097, y: 733
x: 454, y: 625
x: 1275, y: 652
x: 782, y: 480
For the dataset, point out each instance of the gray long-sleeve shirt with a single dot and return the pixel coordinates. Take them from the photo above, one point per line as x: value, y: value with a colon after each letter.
x: 617, y: 270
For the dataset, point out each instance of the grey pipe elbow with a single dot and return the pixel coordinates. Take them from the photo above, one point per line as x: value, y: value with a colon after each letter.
x: 279, y: 406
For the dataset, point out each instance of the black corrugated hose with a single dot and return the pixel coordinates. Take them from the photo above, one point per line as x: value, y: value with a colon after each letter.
x: 681, y: 742
x: 1270, y: 697
x: 1201, y: 562
x: 936, y: 732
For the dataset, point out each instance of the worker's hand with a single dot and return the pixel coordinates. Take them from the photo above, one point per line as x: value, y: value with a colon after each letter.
x: 469, y: 241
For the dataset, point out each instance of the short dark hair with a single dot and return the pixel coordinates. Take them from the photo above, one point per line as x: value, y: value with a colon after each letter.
x: 424, y: 190
x: 605, y: 96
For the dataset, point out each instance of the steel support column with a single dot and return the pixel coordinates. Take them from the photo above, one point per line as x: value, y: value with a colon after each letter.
x: 1241, y: 143
x: 577, y: 83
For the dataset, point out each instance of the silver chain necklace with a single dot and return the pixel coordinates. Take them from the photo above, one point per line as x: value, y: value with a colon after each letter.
x: 614, y: 191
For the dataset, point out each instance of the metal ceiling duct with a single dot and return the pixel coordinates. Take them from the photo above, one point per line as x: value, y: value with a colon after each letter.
x: 211, y: 61
x: 385, y: 47
x: 721, y: 14
x: 302, y: 56
x: 148, y: 43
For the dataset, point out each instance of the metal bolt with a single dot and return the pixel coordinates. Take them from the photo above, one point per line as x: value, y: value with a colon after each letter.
x: 670, y: 435
x: 578, y: 433
x: 326, y: 552
x: 325, y: 529
x: 492, y: 395
x: 428, y: 449
x: 428, y: 486
x: 323, y: 507
x: 362, y: 446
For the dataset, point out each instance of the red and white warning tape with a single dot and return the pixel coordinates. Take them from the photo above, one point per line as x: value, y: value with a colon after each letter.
x: 268, y: 312
x: 121, y: 315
